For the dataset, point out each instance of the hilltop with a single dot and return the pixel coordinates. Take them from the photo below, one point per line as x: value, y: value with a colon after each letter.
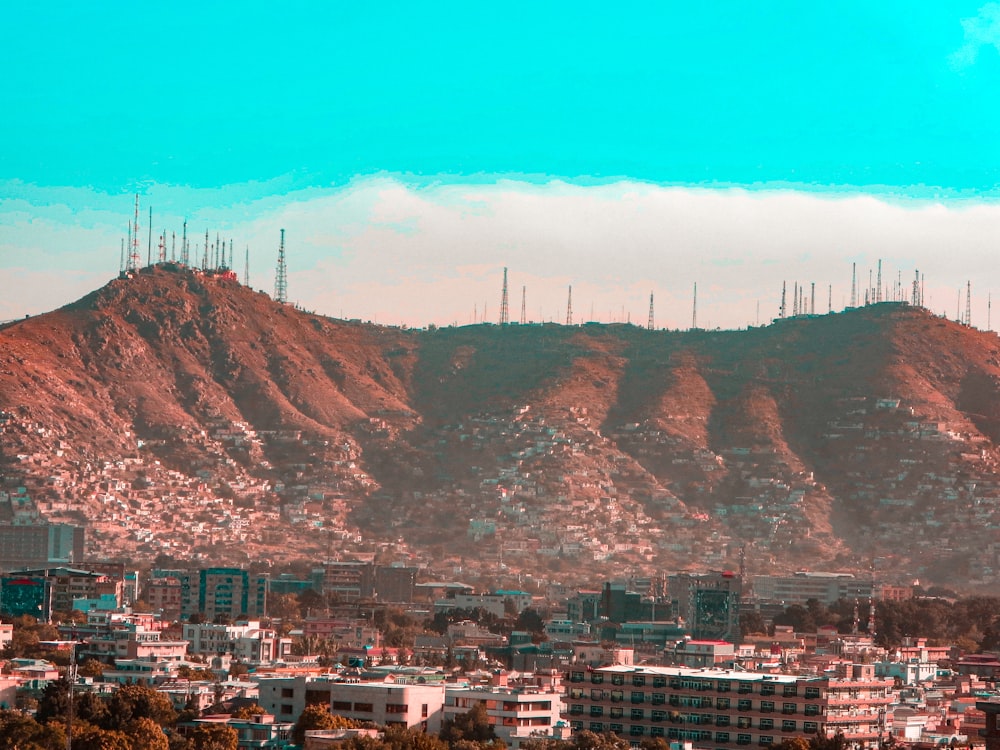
x: 184, y: 415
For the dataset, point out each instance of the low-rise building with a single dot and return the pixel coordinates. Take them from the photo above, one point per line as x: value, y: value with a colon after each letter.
x: 385, y: 704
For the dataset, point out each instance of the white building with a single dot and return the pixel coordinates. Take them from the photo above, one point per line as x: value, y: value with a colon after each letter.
x: 383, y: 703
x: 516, y: 713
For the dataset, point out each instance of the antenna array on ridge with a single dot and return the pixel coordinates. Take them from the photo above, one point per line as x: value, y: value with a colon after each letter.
x: 281, y: 274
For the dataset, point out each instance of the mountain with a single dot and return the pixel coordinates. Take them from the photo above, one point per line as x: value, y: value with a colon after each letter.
x: 180, y: 415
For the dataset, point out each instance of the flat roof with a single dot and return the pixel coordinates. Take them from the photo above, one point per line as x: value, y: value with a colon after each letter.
x: 713, y: 673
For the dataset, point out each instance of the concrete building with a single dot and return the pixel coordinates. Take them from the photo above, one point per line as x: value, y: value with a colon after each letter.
x: 246, y: 641
x: 385, y: 704
x: 39, y: 545
x: 826, y: 588
x: 516, y: 713
x: 715, y: 708
x: 709, y: 604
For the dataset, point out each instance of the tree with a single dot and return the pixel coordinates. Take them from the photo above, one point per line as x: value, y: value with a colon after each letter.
x: 146, y: 734
x: 95, y: 738
x: 91, y: 668
x: 213, y: 737
x: 316, y: 716
x: 248, y: 712
x: 138, y: 701
x: 54, y: 703
x: 587, y: 740
x: 473, y: 725
x: 18, y: 730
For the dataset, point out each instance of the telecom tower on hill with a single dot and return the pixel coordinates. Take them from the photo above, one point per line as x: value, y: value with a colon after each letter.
x: 504, y: 314
x: 281, y: 274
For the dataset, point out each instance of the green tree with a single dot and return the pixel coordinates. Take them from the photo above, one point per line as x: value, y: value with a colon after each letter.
x: 146, y: 734
x: 248, y: 712
x: 95, y: 738
x: 213, y: 737
x: 91, y: 668
x: 138, y: 701
x: 20, y: 731
x: 54, y: 703
x: 473, y: 725
x: 317, y: 716
x: 587, y: 740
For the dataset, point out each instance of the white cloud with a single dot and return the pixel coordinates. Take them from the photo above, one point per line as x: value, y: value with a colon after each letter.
x: 385, y: 249
x: 980, y: 31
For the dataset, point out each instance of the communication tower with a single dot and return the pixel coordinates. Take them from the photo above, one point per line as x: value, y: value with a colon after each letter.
x: 694, y: 309
x: 878, y: 283
x: 504, y: 315
x: 133, y: 259
x: 281, y: 274
x: 854, y: 284
x: 185, y: 254
x: 524, y: 299
x: 649, y: 323
x: 569, y: 307
x: 784, y: 289
x: 968, y: 303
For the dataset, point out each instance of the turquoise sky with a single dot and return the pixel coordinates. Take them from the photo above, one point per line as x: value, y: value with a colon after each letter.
x: 862, y: 94
x: 454, y: 139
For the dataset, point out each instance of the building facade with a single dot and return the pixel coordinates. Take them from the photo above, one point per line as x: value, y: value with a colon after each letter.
x: 723, y: 709
x: 385, y: 704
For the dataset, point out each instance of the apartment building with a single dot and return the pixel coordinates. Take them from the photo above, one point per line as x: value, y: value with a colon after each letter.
x: 385, y: 704
x: 516, y: 713
x: 722, y: 709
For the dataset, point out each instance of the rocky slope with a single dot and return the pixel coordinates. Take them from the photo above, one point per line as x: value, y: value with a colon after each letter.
x: 177, y: 413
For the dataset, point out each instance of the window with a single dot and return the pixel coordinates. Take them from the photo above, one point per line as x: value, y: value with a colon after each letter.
x: 767, y: 688
x: 575, y: 709
x: 596, y: 678
x: 659, y: 681
x: 596, y: 726
x: 576, y: 677
x: 812, y: 709
x: 765, y: 740
x: 576, y: 725
x: 341, y: 705
x: 287, y: 693
x: 788, y: 725
x: 744, y: 704
x: 789, y: 708
x: 597, y: 710
x: 723, y: 686
x: 656, y: 731
x: 722, y: 720
x: 286, y: 709
x: 423, y: 710
x: 810, y: 727
x: 766, y: 707
x: 617, y: 679
x: 766, y: 724
x: 722, y: 736
x: 658, y: 699
x: 743, y: 739
x: 659, y: 715
x: 743, y: 722
x: 616, y: 712
x: 722, y: 703
x: 638, y: 696
x: 617, y: 696
x: 745, y: 688
x: 617, y: 728
x: 396, y: 708
x: 596, y: 694
x: 636, y: 713
x: 790, y: 691
x: 812, y: 692
x: 364, y: 708
x: 576, y: 692
x: 635, y: 730
x: 638, y: 680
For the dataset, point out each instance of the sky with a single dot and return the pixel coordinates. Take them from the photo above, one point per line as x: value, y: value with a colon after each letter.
x: 413, y: 151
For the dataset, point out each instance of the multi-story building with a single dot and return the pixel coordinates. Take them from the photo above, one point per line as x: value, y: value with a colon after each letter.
x: 164, y: 596
x: 826, y: 588
x: 385, y: 704
x: 40, y: 544
x: 247, y: 641
x: 515, y: 713
x: 715, y: 708
x: 709, y: 604
x: 63, y: 586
